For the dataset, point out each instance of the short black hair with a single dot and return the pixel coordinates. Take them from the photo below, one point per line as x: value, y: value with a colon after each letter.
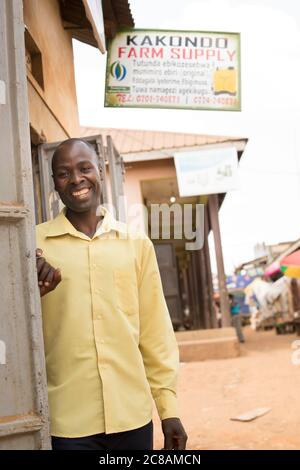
x: 70, y: 142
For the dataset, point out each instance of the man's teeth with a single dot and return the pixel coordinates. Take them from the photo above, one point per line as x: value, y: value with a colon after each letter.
x: 81, y: 192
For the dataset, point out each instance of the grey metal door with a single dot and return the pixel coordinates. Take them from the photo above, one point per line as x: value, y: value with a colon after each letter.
x: 117, y: 176
x: 165, y: 254
x: 23, y: 389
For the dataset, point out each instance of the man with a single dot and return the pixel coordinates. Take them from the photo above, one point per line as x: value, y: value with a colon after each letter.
x: 236, y: 319
x: 109, y: 341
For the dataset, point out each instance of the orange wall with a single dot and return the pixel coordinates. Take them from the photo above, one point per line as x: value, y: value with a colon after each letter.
x: 43, y: 20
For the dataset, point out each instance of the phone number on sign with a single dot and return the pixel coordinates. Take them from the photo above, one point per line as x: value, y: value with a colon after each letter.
x: 124, y: 98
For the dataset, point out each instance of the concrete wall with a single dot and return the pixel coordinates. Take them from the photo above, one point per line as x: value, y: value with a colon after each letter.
x: 201, y: 345
x: 52, y: 110
x: 23, y: 385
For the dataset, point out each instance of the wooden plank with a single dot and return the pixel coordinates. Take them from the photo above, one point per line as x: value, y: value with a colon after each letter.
x: 213, y: 207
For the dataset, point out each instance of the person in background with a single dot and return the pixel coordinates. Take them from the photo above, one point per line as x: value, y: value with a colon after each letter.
x: 236, y: 319
x: 218, y: 313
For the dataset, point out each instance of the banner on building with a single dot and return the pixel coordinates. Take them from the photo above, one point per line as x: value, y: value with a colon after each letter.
x: 210, y: 171
x: 174, y: 69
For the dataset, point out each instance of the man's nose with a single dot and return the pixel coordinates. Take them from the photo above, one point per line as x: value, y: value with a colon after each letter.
x: 76, y: 177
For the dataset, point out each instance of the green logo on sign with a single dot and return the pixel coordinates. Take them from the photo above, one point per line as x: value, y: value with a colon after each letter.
x: 118, y: 71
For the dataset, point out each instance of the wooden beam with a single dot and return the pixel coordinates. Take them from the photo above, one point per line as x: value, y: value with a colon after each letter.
x: 210, y: 288
x: 198, y: 291
x: 213, y: 207
x: 204, y: 300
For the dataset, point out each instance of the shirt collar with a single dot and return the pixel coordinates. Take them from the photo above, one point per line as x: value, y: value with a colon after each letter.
x: 61, y: 225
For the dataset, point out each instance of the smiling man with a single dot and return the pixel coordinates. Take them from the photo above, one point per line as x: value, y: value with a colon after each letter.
x: 109, y: 342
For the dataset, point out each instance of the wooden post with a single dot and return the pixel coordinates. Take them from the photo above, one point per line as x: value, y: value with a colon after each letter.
x: 214, y: 321
x: 198, y: 291
x: 203, y: 286
x: 192, y: 301
x: 213, y: 208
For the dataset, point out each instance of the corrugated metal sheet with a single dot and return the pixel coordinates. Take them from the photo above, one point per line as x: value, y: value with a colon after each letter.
x: 23, y: 389
x: 129, y: 141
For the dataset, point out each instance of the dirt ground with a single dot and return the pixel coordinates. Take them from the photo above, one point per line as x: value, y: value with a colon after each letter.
x: 211, y: 392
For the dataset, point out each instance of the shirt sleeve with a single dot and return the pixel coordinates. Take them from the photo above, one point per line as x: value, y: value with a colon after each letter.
x: 158, y: 343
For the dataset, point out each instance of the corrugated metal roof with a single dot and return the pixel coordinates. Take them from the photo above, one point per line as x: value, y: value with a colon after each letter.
x: 129, y: 141
x: 288, y: 251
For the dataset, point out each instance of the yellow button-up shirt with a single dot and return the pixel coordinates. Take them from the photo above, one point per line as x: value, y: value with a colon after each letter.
x: 109, y: 341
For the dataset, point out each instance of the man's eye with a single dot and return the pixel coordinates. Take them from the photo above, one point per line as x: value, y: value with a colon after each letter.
x: 85, y: 169
x: 64, y: 174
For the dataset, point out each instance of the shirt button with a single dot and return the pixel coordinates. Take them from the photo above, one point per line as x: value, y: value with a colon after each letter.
x: 99, y: 317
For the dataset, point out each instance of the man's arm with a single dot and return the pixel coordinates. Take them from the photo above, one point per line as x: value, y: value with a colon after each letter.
x: 159, y: 348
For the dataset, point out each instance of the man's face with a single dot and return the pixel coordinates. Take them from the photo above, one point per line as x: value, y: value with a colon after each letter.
x: 77, y: 178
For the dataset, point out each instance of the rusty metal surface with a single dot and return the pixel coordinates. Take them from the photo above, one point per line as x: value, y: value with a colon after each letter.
x: 23, y: 399
x: 19, y: 424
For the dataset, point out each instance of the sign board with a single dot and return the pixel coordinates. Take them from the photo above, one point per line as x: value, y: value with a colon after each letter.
x: 174, y: 69
x: 210, y: 171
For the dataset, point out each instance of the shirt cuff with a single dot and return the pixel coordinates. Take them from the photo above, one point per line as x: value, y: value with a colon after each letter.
x: 167, y: 404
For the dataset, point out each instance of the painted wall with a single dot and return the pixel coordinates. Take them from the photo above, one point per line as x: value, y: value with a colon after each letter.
x: 53, y: 110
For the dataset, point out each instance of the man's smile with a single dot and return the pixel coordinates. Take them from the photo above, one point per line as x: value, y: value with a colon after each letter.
x: 82, y: 193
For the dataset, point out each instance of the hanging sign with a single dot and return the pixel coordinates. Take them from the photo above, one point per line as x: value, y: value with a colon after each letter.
x: 174, y: 69
x: 210, y: 171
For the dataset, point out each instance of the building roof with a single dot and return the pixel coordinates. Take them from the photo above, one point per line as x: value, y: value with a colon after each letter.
x: 142, y: 145
x: 274, y: 254
x: 289, y: 250
x: 116, y: 15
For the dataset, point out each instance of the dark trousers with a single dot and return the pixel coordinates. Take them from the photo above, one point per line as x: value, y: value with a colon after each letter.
x: 237, y: 324
x: 135, y: 439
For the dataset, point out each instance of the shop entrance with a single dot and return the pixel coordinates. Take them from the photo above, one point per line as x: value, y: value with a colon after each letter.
x: 186, y: 274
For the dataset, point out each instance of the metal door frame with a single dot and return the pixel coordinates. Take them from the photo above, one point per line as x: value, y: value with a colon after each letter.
x: 24, y: 416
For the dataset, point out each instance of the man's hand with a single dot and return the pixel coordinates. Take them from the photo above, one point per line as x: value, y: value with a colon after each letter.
x: 48, y: 277
x: 175, y: 435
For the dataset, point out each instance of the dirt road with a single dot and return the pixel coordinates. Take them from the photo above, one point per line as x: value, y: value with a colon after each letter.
x: 211, y: 392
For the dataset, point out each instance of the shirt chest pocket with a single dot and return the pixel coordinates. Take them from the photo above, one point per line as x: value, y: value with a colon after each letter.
x: 126, y: 291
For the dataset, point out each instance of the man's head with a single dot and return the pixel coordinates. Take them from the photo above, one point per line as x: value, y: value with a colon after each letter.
x: 76, y: 175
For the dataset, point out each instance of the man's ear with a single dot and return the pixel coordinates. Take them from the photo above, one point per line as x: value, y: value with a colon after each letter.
x: 54, y: 182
